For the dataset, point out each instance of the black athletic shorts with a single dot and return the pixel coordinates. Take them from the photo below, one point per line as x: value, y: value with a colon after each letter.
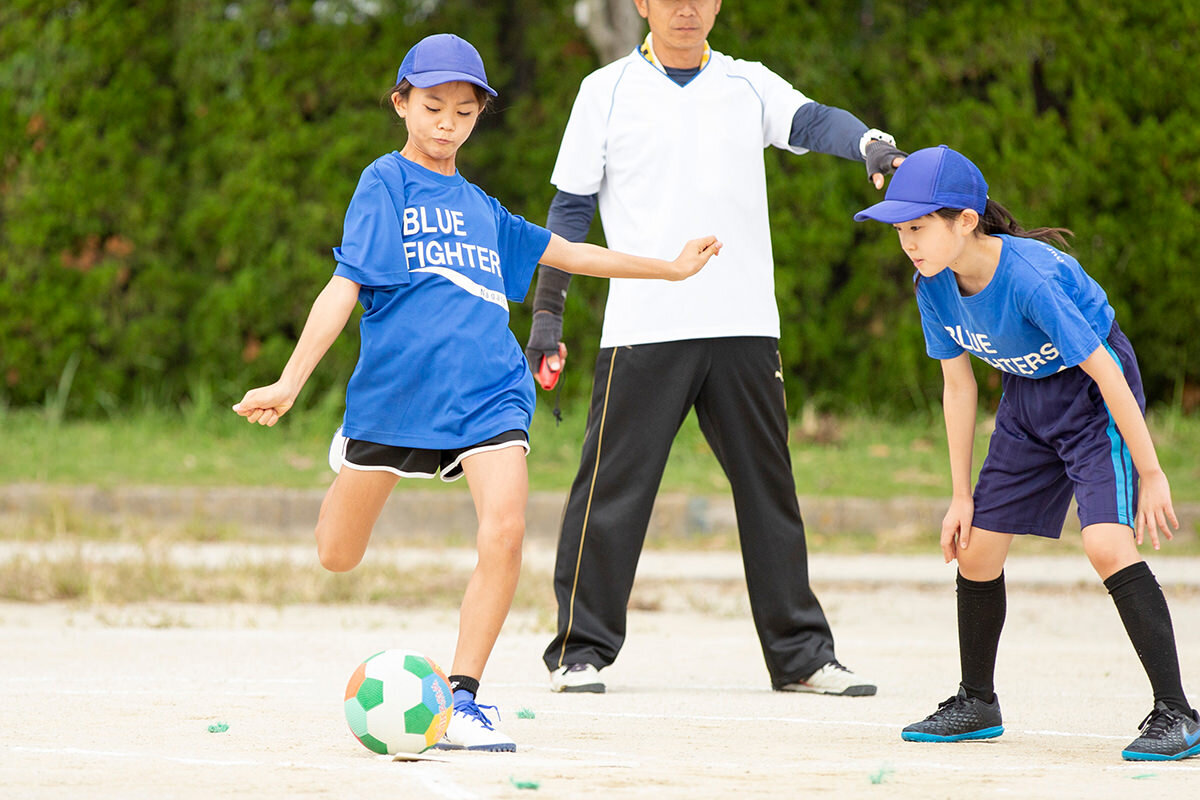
x: 414, y: 462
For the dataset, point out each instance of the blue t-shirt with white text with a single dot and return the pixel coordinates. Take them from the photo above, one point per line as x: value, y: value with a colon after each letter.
x: 1039, y: 314
x: 437, y: 260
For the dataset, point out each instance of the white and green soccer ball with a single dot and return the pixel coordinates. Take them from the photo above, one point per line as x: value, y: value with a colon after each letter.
x: 398, y: 701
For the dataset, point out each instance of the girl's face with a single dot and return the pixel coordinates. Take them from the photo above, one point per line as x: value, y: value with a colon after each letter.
x: 439, y: 119
x: 933, y: 242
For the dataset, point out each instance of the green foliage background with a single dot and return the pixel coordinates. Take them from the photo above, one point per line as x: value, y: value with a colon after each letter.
x: 173, y: 174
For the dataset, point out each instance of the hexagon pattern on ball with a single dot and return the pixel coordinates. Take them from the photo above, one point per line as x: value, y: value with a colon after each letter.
x: 398, y: 701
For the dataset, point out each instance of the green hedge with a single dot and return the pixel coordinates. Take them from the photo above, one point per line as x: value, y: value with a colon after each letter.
x: 174, y: 174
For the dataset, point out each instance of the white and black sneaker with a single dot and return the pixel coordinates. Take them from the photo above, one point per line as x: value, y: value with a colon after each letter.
x: 576, y: 678
x: 833, y: 679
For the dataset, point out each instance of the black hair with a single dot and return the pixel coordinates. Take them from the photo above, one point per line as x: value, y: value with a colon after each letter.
x: 404, y: 87
x: 997, y: 219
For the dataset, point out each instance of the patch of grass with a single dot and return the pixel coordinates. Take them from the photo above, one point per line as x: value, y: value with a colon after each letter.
x: 857, y: 456
x: 103, y: 564
x: 150, y: 577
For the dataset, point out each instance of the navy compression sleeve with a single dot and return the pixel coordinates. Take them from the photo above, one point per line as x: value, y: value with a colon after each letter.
x: 570, y: 216
x: 825, y: 129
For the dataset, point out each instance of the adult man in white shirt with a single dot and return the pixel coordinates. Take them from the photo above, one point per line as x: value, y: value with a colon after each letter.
x: 667, y: 141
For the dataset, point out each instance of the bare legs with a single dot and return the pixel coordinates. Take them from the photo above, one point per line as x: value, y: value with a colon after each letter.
x: 983, y: 558
x: 1110, y: 547
x: 499, y: 486
x: 348, y: 514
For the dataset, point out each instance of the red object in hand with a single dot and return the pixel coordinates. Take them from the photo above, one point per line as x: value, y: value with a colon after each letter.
x: 547, y: 377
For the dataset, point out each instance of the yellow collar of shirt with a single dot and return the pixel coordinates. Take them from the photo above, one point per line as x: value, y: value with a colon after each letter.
x: 647, y: 51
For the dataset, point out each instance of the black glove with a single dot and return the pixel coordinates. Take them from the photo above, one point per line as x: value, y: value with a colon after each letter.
x: 880, y: 156
x: 544, y: 335
x: 548, y: 300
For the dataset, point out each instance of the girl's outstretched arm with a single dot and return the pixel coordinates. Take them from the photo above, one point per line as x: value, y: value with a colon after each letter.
x: 581, y: 258
x: 328, y: 316
x: 960, y: 398
x: 1154, y: 497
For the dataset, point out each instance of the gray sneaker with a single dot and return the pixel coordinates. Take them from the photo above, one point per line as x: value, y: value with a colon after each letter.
x: 960, y: 718
x: 833, y: 679
x: 576, y: 678
x: 1166, y: 735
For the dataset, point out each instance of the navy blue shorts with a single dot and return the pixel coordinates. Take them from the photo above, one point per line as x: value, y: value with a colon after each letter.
x: 413, y: 462
x: 1054, y: 438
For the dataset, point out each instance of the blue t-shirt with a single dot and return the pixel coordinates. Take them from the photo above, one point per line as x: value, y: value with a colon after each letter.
x: 438, y: 260
x: 1040, y: 313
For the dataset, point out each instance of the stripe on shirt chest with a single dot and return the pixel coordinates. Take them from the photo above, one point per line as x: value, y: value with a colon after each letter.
x: 468, y: 285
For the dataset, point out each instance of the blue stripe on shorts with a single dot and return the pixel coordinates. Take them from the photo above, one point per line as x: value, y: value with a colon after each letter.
x: 1122, y: 460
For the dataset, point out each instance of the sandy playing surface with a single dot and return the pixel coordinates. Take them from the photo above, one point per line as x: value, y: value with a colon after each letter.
x: 107, y: 702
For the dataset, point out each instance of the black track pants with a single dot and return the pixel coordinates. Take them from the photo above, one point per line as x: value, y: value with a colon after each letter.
x: 640, y: 397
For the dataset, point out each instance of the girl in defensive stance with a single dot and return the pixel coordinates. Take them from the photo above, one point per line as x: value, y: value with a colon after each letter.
x: 1069, y: 423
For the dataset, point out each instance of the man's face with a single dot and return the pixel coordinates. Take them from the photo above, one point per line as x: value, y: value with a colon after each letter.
x: 679, y: 24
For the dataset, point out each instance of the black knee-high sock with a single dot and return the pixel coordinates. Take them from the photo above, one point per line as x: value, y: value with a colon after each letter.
x: 1147, y: 620
x: 982, y: 606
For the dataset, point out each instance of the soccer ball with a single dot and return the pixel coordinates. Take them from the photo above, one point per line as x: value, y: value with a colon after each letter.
x: 398, y: 701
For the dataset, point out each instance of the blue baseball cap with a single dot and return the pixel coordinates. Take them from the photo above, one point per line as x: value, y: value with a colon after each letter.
x: 929, y: 179
x: 442, y: 58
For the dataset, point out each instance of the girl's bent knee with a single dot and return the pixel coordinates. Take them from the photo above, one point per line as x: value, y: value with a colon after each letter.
x: 1110, y: 548
x: 1108, y: 562
x: 337, y: 560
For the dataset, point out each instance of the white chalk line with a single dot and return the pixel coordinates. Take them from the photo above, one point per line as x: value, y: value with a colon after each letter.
x: 227, y: 687
x: 443, y: 787
x: 142, y: 681
x: 855, y: 764
x: 438, y: 785
x: 588, y: 713
x: 192, y: 760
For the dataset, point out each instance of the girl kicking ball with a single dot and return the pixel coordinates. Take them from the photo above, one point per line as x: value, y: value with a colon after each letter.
x: 1069, y: 423
x: 441, y: 383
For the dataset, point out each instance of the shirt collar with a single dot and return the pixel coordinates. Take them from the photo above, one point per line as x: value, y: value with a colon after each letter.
x: 647, y: 50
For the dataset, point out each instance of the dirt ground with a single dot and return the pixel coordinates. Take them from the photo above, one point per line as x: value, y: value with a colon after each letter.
x: 116, y: 702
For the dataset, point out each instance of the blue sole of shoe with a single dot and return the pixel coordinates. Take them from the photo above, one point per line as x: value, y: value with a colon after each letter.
x: 485, y: 748
x: 1133, y: 755
x: 982, y: 733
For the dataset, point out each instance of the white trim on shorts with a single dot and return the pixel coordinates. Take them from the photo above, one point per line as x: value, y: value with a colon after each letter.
x: 475, y: 450
x: 339, y: 443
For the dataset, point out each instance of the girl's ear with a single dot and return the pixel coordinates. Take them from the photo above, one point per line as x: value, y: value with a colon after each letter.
x: 968, y: 220
x: 400, y: 103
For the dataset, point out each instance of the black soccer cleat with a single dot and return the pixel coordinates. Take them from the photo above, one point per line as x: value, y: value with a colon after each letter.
x: 1167, y: 735
x: 957, y: 719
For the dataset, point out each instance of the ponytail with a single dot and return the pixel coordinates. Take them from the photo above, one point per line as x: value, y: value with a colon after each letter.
x: 997, y: 219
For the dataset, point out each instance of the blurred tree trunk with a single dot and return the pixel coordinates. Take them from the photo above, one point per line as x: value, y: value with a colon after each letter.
x: 612, y: 26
